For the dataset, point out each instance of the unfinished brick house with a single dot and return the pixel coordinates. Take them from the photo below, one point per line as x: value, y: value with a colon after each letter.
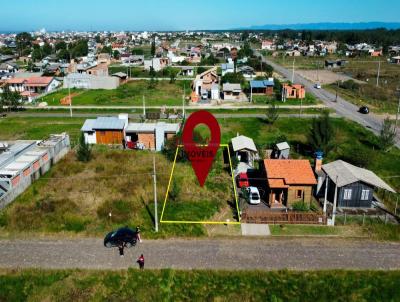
x: 294, y: 91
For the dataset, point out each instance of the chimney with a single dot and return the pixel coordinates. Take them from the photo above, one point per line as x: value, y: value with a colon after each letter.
x: 318, y: 161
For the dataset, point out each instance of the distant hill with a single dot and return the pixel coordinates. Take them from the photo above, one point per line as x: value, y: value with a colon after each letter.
x: 327, y: 26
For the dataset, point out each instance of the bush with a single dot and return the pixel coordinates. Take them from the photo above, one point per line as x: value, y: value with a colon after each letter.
x: 300, y: 206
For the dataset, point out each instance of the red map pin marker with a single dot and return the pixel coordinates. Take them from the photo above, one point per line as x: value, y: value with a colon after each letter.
x: 201, y: 156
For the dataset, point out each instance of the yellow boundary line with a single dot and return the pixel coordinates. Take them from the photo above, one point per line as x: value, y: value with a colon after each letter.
x: 200, y: 222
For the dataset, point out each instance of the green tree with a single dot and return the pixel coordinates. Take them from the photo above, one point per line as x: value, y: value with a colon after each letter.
x: 37, y: 54
x: 137, y: 51
x: 60, y: 45
x: 269, y: 70
x: 322, y: 134
x: 387, y: 136
x: 272, y: 113
x: 23, y: 40
x: 9, y: 98
x: 153, y: 48
x: 63, y: 54
x: 232, y: 77
x: 46, y: 49
x: 79, y: 49
x: 116, y: 54
x: 84, y: 152
x: 106, y: 49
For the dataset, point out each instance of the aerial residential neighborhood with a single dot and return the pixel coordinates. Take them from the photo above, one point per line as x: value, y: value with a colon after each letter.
x: 200, y: 152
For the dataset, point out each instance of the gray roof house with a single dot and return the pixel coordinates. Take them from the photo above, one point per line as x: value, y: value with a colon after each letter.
x: 355, y: 185
x: 244, y: 149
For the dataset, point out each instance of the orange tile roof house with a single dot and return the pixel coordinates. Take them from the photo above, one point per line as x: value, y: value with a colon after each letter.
x: 289, y: 181
x: 294, y: 91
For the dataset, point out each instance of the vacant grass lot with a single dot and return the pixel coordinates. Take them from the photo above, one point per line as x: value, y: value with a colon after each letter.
x: 308, y: 100
x: 174, y: 285
x: 129, y: 94
x: 78, y: 197
x: 37, y: 128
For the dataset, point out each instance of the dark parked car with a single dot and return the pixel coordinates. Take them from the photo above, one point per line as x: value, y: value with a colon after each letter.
x: 121, y: 237
x: 363, y: 110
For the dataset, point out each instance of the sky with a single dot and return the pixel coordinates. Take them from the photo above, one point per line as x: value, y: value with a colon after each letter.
x: 151, y: 15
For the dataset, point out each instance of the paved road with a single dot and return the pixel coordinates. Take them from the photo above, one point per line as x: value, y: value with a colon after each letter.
x: 138, y: 115
x: 265, y: 254
x: 199, y: 106
x: 342, y: 107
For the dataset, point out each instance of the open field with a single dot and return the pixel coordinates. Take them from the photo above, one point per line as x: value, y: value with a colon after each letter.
x: 130, y: 94
x: 308, y: 100
x: 201, y: 285
x: 78, y: 197
x: 37, y: 128
x: 324, y: 76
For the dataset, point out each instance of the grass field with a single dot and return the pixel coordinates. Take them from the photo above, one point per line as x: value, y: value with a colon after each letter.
x: 130, y: 94
x: 308, y: 100
x: 78, y: 197
x: 175, y: 285
x: 37, y: 128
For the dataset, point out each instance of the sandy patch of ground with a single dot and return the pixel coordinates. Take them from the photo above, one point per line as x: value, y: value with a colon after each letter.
x: 324, y: 76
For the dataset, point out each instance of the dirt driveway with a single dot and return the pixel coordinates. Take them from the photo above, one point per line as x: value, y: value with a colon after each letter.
x: 324, y: 76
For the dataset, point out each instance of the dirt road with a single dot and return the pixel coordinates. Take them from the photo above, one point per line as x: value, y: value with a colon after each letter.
x: 264, y: 254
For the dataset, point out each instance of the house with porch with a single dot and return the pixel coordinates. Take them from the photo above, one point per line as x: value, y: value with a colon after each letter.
x: 351, y: 186
x: 289, y: 181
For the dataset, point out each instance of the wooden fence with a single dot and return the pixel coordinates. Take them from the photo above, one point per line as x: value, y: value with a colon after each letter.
x: 283, y: 217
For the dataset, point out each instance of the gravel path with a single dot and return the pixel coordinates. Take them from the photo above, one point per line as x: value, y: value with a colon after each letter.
x: 265, y: 254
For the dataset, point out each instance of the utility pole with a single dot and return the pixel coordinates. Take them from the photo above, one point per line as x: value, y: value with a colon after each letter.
x: 144, y: 108
x: 398, y: 111
x: 293, y: 70
x: 379, y: 71
x: 155, y: 194
x: 70, y: 99
x: 337, y: 87
x: 183, y: 101
x: 326, y: 193
x: 335, y: 201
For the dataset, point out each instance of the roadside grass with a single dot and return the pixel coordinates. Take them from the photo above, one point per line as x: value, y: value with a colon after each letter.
x: 304, y: 230
x: 129, y: 94
x: 308, y: 100
x: 379, y: 99
x: 198, y: 285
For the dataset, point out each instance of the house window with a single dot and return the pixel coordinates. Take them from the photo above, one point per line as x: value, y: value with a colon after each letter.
x: 347, y: 194
x: 364, y: 194
x: 299, y: 193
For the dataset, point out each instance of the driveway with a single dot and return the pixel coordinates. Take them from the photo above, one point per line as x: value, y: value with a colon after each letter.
x: 237, y: 253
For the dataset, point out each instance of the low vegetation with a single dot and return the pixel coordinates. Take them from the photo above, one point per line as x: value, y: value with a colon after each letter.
x: 129, y: 94
x: 174, y: 285
x: 114, y: 189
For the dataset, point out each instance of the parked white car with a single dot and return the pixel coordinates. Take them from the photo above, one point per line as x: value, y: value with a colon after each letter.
x: 317, y: 86
x: 252, y: 195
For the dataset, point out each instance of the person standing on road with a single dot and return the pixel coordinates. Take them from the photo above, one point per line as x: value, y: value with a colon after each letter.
x: 138, y: 238
x: 121, y: 250
x: 141, y: 261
